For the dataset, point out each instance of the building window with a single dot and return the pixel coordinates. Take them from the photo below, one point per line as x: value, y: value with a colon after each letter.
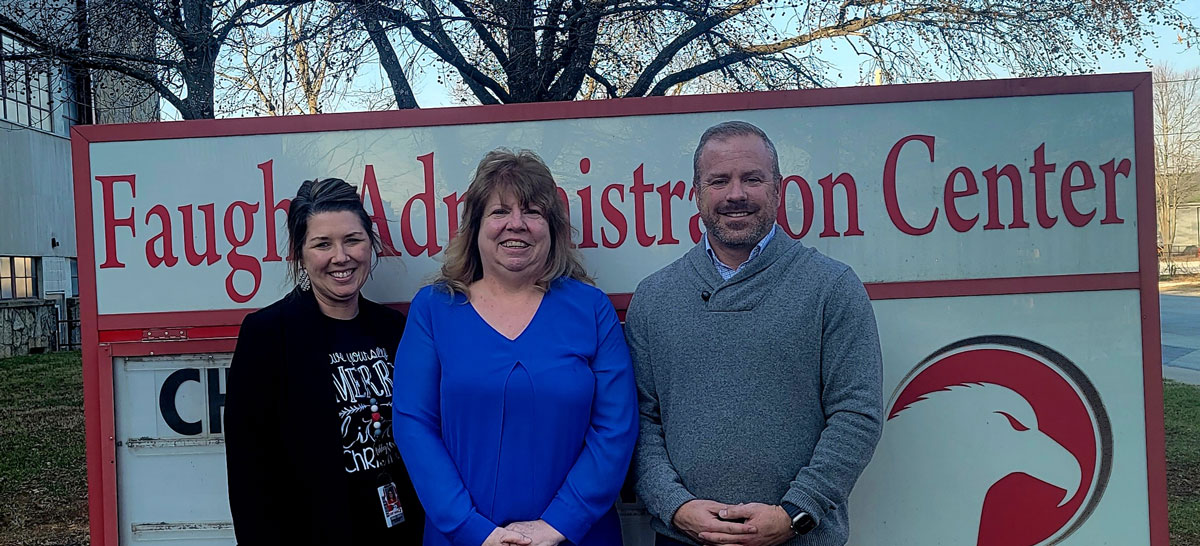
x: 69, y: 100
x: 74, y: 277
x: 18, y: 277
x: 25, y: 90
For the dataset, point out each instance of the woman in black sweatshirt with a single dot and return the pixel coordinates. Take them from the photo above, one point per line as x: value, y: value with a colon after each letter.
x: 308, y: 402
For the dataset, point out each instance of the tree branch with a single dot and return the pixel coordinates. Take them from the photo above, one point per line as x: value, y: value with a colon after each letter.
x: 608, y: 86
x: 487, y: 90
x: 549, y: 36
x: 405, y: 98
x: 668, y: 53
x: 481, y: 31
x: 581, y: 42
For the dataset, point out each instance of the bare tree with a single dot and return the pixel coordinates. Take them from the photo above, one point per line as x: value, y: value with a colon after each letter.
x: 306, y: 62
x: 1176, y: 145
x: 187, y: 37
x: 507, y: 51
x: 540, y: 50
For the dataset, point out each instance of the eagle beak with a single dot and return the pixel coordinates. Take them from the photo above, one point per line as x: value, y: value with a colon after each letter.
x: 1050, y: 462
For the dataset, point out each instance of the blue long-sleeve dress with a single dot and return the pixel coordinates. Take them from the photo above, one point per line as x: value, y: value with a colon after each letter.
x: 495, y: 430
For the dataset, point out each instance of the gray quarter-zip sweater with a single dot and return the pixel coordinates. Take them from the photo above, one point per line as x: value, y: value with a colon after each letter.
x: 768, y: 390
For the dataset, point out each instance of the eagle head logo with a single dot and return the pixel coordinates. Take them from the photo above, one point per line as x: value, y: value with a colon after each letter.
x: 990, y: 441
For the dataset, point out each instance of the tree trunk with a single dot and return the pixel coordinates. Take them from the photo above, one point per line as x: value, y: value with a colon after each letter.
x: 405, y: 99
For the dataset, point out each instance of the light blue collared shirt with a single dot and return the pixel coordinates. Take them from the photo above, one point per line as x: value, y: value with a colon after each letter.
x: 726, y: 271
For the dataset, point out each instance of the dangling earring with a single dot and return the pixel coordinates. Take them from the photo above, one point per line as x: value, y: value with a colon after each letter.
x: 305, y: 284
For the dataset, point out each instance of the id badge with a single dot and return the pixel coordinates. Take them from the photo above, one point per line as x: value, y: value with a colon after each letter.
x: 393, y: 513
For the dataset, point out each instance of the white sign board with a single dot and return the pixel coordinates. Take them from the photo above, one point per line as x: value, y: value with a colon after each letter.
x: 1004, y: 230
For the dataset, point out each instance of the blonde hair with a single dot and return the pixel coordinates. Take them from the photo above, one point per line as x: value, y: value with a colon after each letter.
x: 528, y: 178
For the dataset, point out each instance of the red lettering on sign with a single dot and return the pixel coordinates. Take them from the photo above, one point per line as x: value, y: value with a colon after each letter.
x: 1013, y: 174
x: 638, y: 190
x: 585, y: 209
x: 378, y: 214
x: 1068, y: 190
x: 452, y: 202
x: 426, y: 198
x: 889, y: 187
x: 665, y: 193
x: 957, y: 222
x: 1039, y: 170
x: 273, y: 208
x: 1110, y: 189
x: 957, y: 199
x: 806, y: 206
x: 210, y: 235
x: 111, y: 222
x: 167, y: 256
x: 241, y: 262
x: 613, y: 215
x: 847, y: 183
x: 585, y: 217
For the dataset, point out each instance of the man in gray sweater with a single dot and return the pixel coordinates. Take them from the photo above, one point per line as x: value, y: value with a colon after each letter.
x: 758, y: 369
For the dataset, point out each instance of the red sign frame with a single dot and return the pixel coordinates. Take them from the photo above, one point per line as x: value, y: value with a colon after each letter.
x: 105, y: 337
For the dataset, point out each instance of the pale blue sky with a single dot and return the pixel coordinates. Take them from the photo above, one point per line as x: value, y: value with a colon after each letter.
x: 1168, y: 50
x: 430, y: 94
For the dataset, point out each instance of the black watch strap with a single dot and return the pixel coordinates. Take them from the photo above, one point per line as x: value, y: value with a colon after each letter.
x: 802, y: 522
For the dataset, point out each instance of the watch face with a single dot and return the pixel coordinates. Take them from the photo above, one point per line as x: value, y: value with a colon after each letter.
x: 803, y: 524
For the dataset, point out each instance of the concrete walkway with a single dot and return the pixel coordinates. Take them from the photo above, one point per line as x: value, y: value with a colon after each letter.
x: 1179, y: 308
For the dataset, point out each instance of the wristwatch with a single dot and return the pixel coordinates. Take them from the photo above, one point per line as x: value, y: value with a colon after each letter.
x: 802, y: 522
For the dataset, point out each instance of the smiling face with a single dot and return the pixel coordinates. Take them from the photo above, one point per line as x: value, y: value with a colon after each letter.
x: 738, y: 196
x: 337, y: 257
x: 513, y: 238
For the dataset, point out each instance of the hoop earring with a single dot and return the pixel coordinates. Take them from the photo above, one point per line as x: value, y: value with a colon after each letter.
x: 304, y: 283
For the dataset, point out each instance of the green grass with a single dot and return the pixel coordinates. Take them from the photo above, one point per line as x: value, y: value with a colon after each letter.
x: 43, y: 475
x: 1182, y: 417
x: 1184, y: 517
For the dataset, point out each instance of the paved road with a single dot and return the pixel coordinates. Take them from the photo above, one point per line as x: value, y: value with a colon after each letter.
x: 1181, y: 336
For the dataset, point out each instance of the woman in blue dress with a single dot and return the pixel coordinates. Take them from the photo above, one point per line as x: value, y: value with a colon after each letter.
x: 517, y: 412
